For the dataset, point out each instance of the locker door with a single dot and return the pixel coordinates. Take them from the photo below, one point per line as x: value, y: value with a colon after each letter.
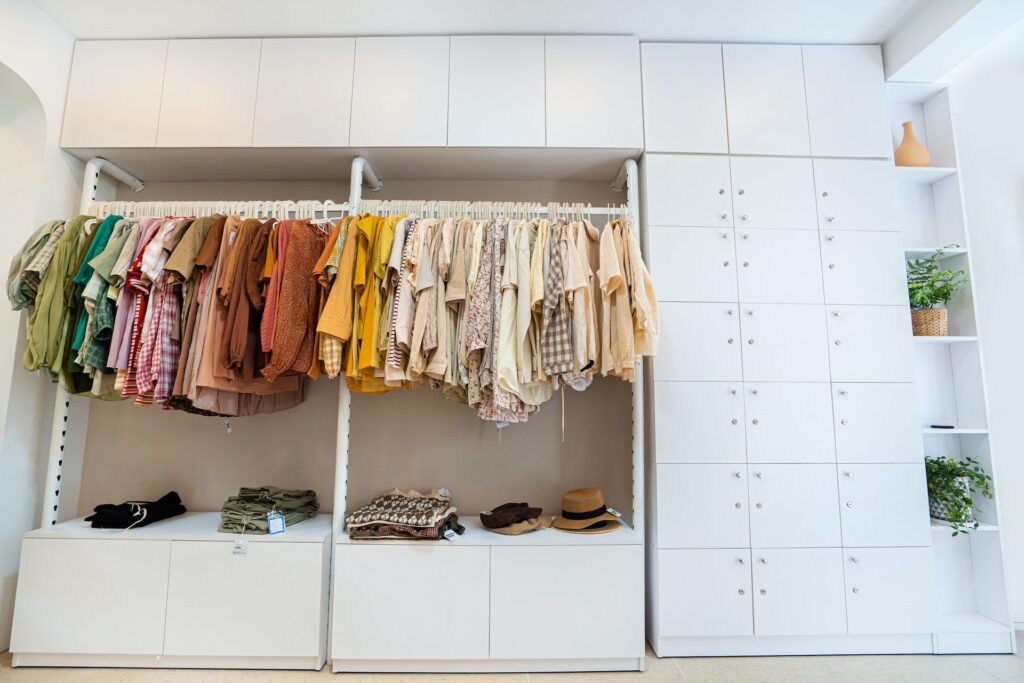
x: 779, y: 267
x: 772, y: 192
x: 700, y: 342
x: 699, y: 422
x: 870, y: 344
x: 794, y: 506
x: 864, y: 268
x: 693, y: 264
x: 784, y: 343
x: 702, y: 506
x: 789, y: 422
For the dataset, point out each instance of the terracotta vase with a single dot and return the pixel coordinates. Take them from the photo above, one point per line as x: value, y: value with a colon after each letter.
x: 911, y: 152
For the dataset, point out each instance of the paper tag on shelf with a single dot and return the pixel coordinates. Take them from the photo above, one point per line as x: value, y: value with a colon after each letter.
x: 450, y: 535
x: 241, y: 548
x: 614, y: 512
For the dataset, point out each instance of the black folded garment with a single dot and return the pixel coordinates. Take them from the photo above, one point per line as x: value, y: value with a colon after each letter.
x: 135, y: 513
x: 509, y: 513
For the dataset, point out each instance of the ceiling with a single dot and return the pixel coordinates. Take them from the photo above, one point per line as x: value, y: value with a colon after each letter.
x: 767, y: 21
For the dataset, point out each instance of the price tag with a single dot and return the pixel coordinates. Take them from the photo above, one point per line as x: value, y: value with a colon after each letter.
x: 614, y: 512
x: 445, y: 492
x: 275, y: 523
x: 241, y: 548
x: 485, y: 512
x: 450, y: 535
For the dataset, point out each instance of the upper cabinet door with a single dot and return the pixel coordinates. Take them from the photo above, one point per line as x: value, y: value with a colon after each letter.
x: 400, y: 92
x: 92, y: 117
x: 773, y: 193
x: 298, y: 65
x: 846, y: 104
x: 485, y: 70
x: 690, y: 191
x: 684, y: 98
x: 856, y: 195
x: 209, y: 93
x: 764, y: 90
x: 579, y: 69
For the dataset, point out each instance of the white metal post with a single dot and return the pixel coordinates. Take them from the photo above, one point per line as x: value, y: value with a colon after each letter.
x: 62, y: 423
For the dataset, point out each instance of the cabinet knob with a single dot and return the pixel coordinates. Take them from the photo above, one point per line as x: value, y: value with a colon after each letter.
x: 830, y: 238
x: 849, y: 475
x: 739, y: 505
x: 843, y: 392
x: 741, y: 191
x: 746, y: 235
x: 837, y: 314
x: 762, y: 560
x: 764, y: 592
x: 751, y: 341
x: 759, y: 505
x: 750, y: 311
x: 755, y: 392
x: 729, y: 340
x: 759, y: 475
x: 728, y: 311
x: 756, y: 422
x: 738, y: 475
x: 735, y: 421
x: 825, y: 193
x: 741, y: 560
x: 839, y: 342
x: 725, y: 264
x: 741, y: 591
x: 725, y: 235
x: 829, y: 219
x: 734, y: 392
x: 854, y: 559
x: 721, y: 190
x: 843, y: 422
x: 856, y: 589
x: 831, y: 266
x: 849, y: 503
x: 723, y: 216
x: 746, y: 264
x: 744, y: 217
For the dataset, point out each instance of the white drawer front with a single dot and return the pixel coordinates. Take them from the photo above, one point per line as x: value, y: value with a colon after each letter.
x: 704, y: 593
x: 702, y: 506
x: 699, y: 422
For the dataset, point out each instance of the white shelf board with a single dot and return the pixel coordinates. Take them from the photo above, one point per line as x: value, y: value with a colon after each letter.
x: 912, y: 93
x: 925, y: 252
x: 191, y: 526
x: 925, y: 175
x: 955, y: 430
x: 939, y: 526
x: 944, y: 340
x: 476, y: 534
x: 969, y: 623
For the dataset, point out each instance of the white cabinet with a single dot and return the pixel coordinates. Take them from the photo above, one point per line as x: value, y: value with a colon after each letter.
x: 209, y: 96
x: 784, y: 343
x: 793, y: 506
x: 83, y: 596
x: 870, y: 344
x: 856, y: 194
x: 846, y: 101
x: 779, y: 266
x: 699, y: 422
x: 400, y: 92
x: 687, y: 190
x: 884, y: 505
x: 94, y: 115
x: 864, y: 268
x: 484, y: 71
x: 798, y: 592
x: 702, y: 506
x: 212, y: 591
x: 705, y: 593
x: 296, y: 66
x: 889, y: 590
x: 764, y: 91
x: 568, y: 611
x: 693, y: 264
x: 684, y: 98
x: 578, y: 69
x: 789, y: 422
x: 773, y: 193
x: 701, y: 343
x: 876, y: 423
x: 392, y: 624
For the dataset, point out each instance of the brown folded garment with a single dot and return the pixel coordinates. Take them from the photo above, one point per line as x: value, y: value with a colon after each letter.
x: 509, y: 513
x: 523, y: 527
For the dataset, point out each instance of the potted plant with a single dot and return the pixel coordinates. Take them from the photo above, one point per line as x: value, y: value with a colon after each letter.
x: 930, y: 288
x: 951, y: 487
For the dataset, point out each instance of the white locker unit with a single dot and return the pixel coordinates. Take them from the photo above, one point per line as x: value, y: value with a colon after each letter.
x: 785, y: 537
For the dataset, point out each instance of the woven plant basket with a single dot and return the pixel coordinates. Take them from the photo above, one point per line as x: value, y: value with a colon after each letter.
x: 930, y: 322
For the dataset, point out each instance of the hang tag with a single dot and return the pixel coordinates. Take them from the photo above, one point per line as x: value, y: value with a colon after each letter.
x: 241, y: 548
x: 614, y: 512
x: 450, y: 535
x: 501, y: 425
x: 445, y: 492
x: 485, y: 512
x: 227, y: 424
x: 275, y: 523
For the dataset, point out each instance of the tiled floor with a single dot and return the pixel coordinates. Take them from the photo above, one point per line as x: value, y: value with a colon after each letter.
x: 933, y: 669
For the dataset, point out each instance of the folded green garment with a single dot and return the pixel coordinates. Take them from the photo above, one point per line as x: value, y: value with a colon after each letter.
x: 247, y: 512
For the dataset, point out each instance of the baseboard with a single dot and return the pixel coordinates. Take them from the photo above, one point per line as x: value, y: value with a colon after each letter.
x: 485, y: 665
x: 164, y: 661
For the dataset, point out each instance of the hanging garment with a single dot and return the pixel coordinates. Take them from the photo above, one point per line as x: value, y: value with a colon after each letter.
x: 30, y: 263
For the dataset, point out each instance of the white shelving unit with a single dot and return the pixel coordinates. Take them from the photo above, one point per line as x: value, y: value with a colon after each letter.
x: 970, y: 582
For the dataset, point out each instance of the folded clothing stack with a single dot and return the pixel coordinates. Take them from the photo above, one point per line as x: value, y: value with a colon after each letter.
x: 247, y: 512
x: 405, y: 514
x: 512, y: 519
x: 135, y: 513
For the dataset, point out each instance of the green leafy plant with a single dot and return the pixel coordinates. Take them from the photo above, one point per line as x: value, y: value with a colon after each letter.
x: 951, y: 487
x: 929, y: 285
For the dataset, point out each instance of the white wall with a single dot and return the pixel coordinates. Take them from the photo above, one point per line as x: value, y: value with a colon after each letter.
x: 987, y: 100
x: 37, y: 181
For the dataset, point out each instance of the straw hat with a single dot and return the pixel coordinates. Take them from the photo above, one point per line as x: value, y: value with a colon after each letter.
x: 584, y: 512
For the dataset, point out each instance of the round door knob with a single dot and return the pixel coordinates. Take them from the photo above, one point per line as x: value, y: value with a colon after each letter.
x: 759, y: 506
x: 744, y: 217
x: 739, y: 505
x: 750, y: 312
x: 746, y: 264
x: 764, y: 592
x: 849, y: 503
x: 741, y: 191
x: 837, y: 314
x: 831, y: 266
x: 729, y: 340
x: 759, y: 475
x: 839, y: 342
x: 746, y: 235
x: 741, y: 591
x: 741, y: 560
x: 856, y: 589
x: 755, y: 392
x: 824, y: 194
x: 843, y: 422
x: 756, y: 422
x: 735, y: 422
x: 762, y: 560
x: 830, y: 219
x: 723, y: 216
x: 737, y: 475
x: 855, y: 560
x: 728, y: 311
x: 721, y: 190
x: 849, y: 475
x: 843, y: 392
x: 750, y: 341
x: 725, y: 264
x: 725, y: 235
x: 734, y: 392
x: 830, y: 238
